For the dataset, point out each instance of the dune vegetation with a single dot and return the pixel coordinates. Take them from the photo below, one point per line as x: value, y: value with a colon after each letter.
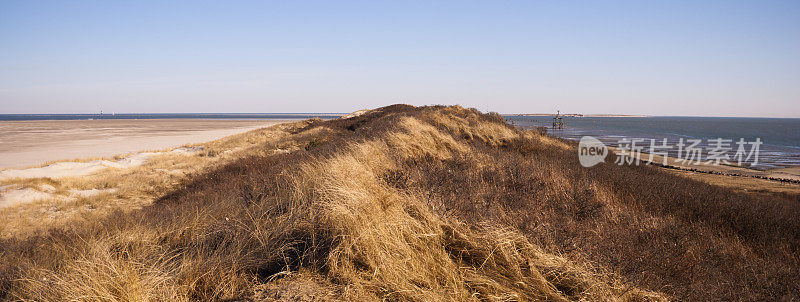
x: 419, y: 204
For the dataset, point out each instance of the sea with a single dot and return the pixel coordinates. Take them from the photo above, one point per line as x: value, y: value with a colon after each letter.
x: 779, y: 137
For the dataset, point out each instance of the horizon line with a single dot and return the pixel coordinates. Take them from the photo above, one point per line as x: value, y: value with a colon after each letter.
x: 344, y: 113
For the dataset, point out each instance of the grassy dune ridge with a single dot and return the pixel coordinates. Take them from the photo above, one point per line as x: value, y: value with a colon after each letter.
x: 421, y: 203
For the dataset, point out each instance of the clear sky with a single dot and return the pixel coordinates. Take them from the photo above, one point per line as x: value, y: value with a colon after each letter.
x: 717, y: 58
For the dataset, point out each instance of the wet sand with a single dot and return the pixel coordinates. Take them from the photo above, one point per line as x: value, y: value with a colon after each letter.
x: 32, y: 143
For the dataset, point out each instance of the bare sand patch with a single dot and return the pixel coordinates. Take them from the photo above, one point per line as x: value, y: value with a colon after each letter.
x: 18, y: 196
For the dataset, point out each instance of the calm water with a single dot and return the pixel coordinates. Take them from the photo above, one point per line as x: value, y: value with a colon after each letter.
x: 122, y: 116
x: 780, y: 136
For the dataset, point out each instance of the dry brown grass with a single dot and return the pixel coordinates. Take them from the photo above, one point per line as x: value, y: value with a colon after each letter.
x: 419, y: 204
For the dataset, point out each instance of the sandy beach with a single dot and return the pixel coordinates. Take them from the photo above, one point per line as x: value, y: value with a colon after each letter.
x: 32, y: 143
x: 114, y: 164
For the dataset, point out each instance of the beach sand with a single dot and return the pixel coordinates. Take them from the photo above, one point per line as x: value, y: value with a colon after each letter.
x: 32, y: 143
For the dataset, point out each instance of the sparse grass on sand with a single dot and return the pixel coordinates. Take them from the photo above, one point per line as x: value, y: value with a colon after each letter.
x: 421, y: 204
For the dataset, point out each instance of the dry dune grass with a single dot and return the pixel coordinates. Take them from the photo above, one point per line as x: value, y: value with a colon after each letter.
x: 418, y: 204
x: 392, y: 246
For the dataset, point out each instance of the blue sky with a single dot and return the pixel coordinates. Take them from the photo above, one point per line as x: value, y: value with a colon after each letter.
x: 716, y: 58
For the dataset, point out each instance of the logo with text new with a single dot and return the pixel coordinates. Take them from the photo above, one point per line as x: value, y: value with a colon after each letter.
x: 591, y: 151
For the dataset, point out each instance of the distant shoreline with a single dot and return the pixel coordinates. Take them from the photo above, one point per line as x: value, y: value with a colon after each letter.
x: 577, y: 115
